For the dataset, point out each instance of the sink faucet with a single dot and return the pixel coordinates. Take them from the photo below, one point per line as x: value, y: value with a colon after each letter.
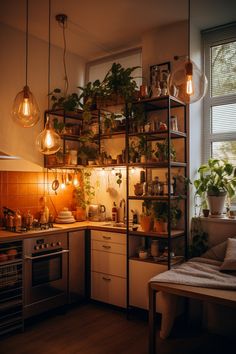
x: 122, y: 205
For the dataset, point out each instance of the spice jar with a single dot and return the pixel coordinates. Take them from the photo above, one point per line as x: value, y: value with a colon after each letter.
x: 155, y: 248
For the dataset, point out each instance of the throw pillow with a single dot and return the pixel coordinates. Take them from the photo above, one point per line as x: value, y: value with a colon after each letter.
x: 229, y: 263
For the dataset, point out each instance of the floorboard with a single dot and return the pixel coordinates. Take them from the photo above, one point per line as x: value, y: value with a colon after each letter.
x: 95, y: 329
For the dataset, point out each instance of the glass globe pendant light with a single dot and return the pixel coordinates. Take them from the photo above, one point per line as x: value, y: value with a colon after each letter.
x: 48, y: 142
x: 187, y: 82
x: 25, y: 109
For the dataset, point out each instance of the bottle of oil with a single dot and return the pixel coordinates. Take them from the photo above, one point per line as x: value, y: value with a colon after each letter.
x: 114, y: 213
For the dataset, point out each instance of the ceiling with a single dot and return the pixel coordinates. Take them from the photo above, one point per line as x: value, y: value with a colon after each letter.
x: 98, y: 28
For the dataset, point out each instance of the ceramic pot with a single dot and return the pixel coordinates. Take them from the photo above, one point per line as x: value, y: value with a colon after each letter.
x: 216, y: 204
x: 146, y: 223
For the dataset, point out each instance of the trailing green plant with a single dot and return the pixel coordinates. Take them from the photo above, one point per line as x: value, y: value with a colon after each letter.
x: 84, y: 192
x: 199, y: 240
x: 215, y: 177
x: 68, y: 103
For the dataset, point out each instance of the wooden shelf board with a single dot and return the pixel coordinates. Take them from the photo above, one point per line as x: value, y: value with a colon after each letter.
x: 174, y: 260
x: 174, y: 234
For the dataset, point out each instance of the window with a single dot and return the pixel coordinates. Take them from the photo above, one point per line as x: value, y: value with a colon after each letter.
x: 220, y: 101
x: 99, y: 68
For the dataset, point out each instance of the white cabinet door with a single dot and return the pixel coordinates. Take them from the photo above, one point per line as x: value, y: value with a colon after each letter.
x: 108, y: 263
x: 108, y: 288
x: 139, y: 275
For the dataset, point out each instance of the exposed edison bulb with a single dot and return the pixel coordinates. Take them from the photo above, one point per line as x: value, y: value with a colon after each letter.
x: 63, y: 185
x: 189, y: 85
x: 75, y: 180
x: 25, y: 109
x: 113, y: 172
x: 187, y: 82
x: 48, y: 141
x: 103, y: 172
x: 132, y: 170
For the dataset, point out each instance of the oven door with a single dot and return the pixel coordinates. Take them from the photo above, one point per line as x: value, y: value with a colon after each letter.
x: 46, y: 279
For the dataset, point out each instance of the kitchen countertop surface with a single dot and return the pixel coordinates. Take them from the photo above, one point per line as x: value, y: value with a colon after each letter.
x: 79, y: 225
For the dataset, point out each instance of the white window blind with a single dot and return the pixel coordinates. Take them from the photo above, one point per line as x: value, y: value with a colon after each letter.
x: 220, y: 102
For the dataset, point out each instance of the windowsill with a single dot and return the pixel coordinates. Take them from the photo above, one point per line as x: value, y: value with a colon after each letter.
x: 217, y: 220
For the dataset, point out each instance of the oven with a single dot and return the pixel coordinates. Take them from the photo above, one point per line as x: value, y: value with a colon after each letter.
x: 45, y: 273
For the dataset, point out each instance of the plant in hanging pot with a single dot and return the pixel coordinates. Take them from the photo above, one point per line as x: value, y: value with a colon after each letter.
x: 217, y: 180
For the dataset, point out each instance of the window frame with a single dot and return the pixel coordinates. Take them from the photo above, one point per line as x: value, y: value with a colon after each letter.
x: 214, y: 37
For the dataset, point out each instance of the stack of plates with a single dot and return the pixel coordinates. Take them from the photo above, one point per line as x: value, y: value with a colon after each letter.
x: 65, y: 217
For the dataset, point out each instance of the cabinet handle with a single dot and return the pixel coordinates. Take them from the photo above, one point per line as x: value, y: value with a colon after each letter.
x: 106, y: 237
x: 107, y: 279
x: 107, y: 247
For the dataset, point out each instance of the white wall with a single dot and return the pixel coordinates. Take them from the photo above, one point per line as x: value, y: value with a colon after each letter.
x: 161, y: 44
x: 14, y: 139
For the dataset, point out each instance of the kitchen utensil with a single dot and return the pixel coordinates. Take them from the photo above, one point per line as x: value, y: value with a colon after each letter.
x: 55, y: 183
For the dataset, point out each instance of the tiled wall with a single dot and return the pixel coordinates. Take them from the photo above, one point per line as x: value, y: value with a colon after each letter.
x: 26, y: 190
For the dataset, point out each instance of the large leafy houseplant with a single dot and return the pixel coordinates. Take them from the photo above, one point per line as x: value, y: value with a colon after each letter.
x: 217, y: 179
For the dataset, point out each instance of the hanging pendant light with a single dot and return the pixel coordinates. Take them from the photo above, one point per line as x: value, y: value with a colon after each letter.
x: 48, y: 142
x: 25, y: 109
x: 187, y: 82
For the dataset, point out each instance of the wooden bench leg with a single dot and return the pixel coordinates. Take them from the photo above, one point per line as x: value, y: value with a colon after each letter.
x: 152, y: 322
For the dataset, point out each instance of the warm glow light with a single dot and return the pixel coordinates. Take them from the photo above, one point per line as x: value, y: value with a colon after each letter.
x: 75, y: 181
x: 132, y: 170
x: 25, y: 110
x: 103, y: 172
x: 113, y: 171
x: 26, y: 107
x: 48, y: 141
x: 189, y: 85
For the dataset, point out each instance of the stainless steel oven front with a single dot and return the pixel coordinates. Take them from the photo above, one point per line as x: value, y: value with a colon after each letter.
x: 45, y: 273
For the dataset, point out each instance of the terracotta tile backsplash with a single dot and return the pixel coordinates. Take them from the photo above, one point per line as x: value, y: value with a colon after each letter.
x: 26, y: 190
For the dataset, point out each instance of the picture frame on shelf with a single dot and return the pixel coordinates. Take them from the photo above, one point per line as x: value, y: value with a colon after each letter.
x: 159, y: 78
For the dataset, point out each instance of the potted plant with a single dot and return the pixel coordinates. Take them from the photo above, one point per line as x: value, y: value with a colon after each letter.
x: 146, y: 220
x: 217, y: 180
x: 68, y: 103
x: 160, y: 212
x: 162, y: 151
x: 119, y: 83
x: 144, y: 149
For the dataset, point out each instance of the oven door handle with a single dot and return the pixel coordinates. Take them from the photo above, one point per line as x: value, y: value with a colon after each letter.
x: 45, y: 255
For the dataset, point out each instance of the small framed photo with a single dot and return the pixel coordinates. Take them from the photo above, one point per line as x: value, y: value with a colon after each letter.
x: 159, y: 73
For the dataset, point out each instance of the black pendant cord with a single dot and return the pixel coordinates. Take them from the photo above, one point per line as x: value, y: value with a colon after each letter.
x: 189, y: 30
x: 64, y: 59
x: 49, y: 51
x: 26, y: 42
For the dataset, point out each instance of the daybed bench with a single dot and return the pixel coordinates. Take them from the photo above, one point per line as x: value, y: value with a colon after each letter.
x: 200, y: 278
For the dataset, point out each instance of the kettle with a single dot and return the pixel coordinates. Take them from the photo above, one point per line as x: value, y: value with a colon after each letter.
x: 97, y: 212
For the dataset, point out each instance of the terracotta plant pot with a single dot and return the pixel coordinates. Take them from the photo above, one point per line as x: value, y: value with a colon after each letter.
x: 146, y: 223
x: 80, y: 214
x: 158, y: 226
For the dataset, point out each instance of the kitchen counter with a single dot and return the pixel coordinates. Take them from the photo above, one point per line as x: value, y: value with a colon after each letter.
x: 79, y: 225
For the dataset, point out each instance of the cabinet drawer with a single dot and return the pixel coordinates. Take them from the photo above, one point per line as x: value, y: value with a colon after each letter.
x: 98, y: 235
x: 109, y: 263
x: 108, y: 288
x: 108, y: 247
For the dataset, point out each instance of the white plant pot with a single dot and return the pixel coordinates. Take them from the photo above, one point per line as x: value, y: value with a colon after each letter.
x: 216, y: 204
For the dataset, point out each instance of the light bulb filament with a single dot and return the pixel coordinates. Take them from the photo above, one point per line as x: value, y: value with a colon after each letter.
x: 48, y: 140
x: 189, y: 85
x: 26, y: 107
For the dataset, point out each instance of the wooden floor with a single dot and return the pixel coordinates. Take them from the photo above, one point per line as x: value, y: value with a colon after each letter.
x: 95, y: 329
